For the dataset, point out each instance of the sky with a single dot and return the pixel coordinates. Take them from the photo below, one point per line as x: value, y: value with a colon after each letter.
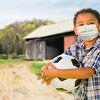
x: 55, y: 10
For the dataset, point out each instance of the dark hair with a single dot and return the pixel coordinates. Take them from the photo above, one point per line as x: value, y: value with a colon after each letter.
x: 88, y: 10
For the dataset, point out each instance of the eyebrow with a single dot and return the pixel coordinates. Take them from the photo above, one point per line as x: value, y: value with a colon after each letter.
x: 88, y: 20
x: 92, y: 20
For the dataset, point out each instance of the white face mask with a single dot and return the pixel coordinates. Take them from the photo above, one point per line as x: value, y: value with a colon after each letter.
x: 87, y: 32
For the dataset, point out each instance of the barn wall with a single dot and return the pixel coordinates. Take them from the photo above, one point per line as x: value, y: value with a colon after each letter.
x: 39, y: 50
x: 68, y: 40
x: 35, y: 49
x: 29, y: 49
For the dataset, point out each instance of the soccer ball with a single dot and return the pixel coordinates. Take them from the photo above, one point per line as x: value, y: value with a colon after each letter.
x: 65, y: 62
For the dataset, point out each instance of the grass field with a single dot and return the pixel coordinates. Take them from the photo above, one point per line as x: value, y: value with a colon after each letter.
x: 5, y: 61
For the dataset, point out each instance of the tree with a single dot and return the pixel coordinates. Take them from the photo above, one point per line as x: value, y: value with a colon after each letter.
x: 11, y: 37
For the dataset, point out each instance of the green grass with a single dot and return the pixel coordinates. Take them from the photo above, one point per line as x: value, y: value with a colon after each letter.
x: 11, y: 58
x: 36, y: 65
x: 6, y: 61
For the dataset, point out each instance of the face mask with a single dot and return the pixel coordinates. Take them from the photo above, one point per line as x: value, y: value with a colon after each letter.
x: 87, y: 32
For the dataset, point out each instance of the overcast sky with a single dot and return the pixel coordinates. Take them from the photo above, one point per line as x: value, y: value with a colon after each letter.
x: 56, y: 10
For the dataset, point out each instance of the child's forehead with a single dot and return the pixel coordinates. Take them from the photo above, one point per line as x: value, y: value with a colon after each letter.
x: 86, y: 16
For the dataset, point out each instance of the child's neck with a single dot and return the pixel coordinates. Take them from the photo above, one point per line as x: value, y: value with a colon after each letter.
x: 88, y: 44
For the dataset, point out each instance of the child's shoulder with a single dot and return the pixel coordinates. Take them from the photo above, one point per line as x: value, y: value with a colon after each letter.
x: 77, y: 44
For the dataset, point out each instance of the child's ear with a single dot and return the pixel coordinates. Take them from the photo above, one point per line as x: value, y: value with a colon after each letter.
x: 75, y: 30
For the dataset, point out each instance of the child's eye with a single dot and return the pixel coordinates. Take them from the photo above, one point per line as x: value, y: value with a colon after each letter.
x: 91, y: 23
x: 80, y: 24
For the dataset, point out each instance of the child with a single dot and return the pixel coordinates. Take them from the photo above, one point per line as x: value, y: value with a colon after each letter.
x: 87, y: 51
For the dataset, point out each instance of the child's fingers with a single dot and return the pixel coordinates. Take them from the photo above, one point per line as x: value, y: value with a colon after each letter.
x: 40, y: 77
x: 46, y: 66
x: 48, y: 81
x: 41, y: 70
x: 43, y: 81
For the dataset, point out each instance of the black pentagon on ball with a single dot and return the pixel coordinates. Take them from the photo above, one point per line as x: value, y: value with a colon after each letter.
x: 75, y: 63
x: 57, y: 60
x: 78, y: 82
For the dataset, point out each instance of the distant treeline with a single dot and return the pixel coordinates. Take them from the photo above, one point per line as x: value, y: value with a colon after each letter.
x: 11, y: 37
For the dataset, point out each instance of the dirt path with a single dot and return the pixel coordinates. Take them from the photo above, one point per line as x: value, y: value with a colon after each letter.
x: 17, y: 82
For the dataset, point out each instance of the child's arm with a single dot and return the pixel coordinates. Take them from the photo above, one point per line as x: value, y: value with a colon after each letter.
x: 78, y: 73
x: 51, y: 72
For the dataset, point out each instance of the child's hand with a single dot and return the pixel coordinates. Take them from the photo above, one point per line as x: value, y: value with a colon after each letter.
x: 42, y: 75
x: 48, y: 73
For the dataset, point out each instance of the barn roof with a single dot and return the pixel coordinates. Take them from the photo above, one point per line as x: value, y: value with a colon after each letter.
x: 49, y: 30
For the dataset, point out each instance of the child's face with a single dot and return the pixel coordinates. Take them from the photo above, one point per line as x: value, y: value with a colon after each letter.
x: 86, y: 19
